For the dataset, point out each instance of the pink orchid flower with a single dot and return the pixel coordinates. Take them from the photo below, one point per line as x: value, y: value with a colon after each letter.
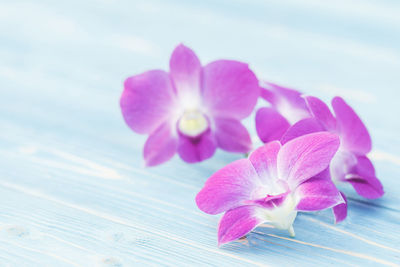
x: 287, y: 108
x: 272, y: 185
x: 191, y: 109
x: 350, y: 164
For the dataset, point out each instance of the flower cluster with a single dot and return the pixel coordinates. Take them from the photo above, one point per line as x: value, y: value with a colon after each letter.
x: 193, y: 109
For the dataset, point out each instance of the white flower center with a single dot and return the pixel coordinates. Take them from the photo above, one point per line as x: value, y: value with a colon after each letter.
x: 282, y: 216
x: 192, y: 123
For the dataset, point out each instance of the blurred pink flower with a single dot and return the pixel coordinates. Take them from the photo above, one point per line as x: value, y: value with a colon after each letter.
x: 191, y: 110
x: 350, y: 164
x: 287, y: 107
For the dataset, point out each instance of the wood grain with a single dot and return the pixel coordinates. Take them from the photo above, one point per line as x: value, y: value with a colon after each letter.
x: 73, y: 189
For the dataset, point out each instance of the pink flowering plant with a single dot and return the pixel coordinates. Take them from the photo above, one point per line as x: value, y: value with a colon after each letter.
x: 192, y: 110
x: 350, y: 164
x: 293, y: 114
x: 287, y: 106
x: 272, y: 185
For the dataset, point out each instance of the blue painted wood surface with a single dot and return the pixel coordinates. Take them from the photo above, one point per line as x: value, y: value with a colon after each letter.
x: 73, y: 190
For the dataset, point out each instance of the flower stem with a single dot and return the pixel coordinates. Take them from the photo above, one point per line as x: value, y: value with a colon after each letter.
x: 291, y: 231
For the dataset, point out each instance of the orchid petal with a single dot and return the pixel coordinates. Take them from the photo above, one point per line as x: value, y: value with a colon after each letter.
x: 160, y: 146
x: 268, y: 95
x: 288, y: 102
x: 292, y: 96
x: 321, y: 112
x: 302, y: 127
x: 264, y: 161
x: 306, y: 156
x: 270, y: 125
x: 238, y: 222
x: 317, y: 194
x: 354, y: 134
x: 196, y: 149
x: 147, y: 101
x: 230, y: 89
x: 228, y: 188
x: 364, y: 180
x: 342, y: 164
x: 232, y: 136
x: 185, y: 70
x: 340, y: 211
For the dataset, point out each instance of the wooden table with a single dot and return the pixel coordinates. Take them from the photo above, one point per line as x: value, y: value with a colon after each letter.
x: 73, y: 189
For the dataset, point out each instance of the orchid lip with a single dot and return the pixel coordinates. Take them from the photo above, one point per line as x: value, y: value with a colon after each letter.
x: 343, y: 162
x: 272, y: 201
x: 274, y: 197
x: 193, y: 123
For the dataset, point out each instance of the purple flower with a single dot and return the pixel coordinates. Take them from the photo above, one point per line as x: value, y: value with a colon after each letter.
x: 287, y: 108
x: 272, y: 185
x: 192, y: 109
x: 350, y: 164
